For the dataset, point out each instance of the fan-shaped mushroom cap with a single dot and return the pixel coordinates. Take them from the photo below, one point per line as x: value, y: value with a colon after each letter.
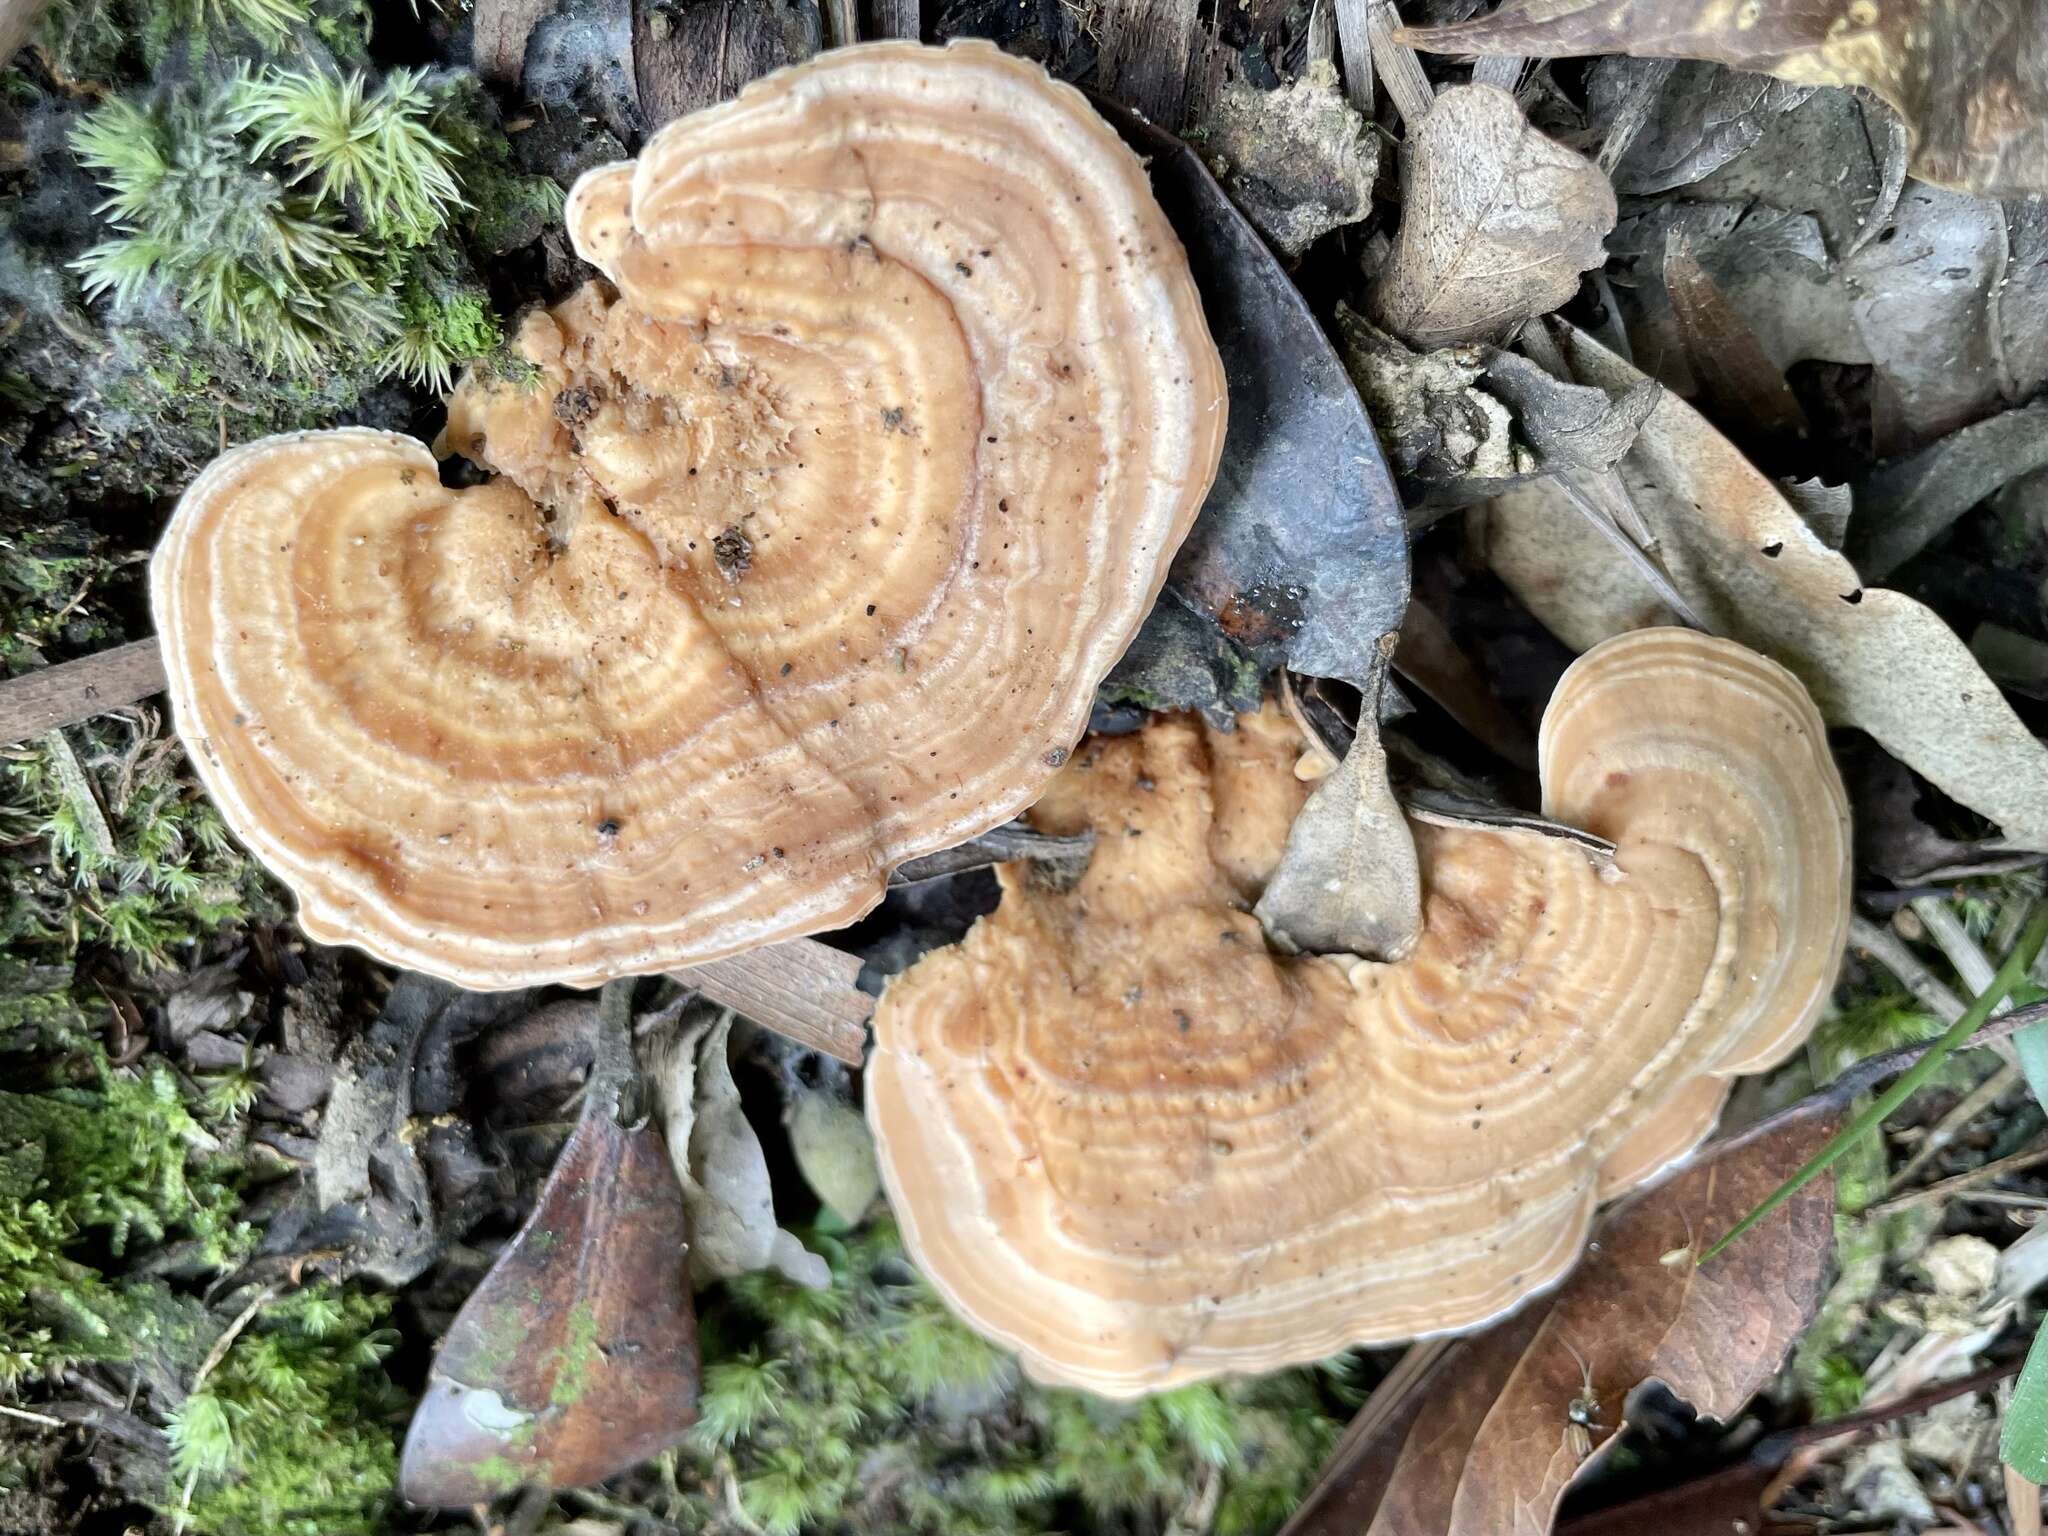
x: 1128, y: 1141
x: 814, y: 539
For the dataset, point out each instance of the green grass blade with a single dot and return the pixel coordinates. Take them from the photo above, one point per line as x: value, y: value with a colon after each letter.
x: 2030, y: 1045
x: 1909, y: 1081
x: 2023, y: 1442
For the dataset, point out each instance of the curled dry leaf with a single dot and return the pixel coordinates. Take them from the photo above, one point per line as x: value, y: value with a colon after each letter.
x: 1497, y: 223
x: 1747, y: 561
x: 1350, y: 836
x: 1968, y: 77
x: 577, y: 1356
x: 1482, y: 1447
x: 720, y: 1164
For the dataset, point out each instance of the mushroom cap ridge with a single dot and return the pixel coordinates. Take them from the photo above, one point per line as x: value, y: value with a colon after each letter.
x: 562, y: 727
x: 1127, y: 1141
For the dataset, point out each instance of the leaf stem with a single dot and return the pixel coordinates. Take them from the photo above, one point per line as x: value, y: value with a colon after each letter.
x: 1908, y: 1082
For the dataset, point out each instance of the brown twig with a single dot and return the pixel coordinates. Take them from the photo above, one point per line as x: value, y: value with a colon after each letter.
x: 75, y: 691
x: 1942, y: 1188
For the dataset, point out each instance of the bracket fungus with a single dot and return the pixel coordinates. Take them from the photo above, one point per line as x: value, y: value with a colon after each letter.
x: 1128, y: 1141
x: 815, y: 528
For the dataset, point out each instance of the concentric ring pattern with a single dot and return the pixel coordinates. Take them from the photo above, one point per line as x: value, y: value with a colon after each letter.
x: 814, y: 529
x: 1130, y: 1142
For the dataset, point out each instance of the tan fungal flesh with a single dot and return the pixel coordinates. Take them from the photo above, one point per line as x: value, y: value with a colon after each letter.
x: 813, y: 536
x: 1130, y: 1142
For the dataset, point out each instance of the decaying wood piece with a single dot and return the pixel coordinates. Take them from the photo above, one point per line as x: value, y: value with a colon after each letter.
x: 72, y: 692
x: 801, y: 988
x: 499, y: 34
x: 688, y: 57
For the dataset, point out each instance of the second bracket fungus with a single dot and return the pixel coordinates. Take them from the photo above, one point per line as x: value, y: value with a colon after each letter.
x: 815, y: 529
x: 1127, y: 1140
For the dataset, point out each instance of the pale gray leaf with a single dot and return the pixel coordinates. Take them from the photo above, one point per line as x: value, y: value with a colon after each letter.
x: 1746, y: 560
x: 1498, y: 223
x: 719, y: 1161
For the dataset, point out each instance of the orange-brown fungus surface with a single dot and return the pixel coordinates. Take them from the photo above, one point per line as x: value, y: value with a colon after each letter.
x: 815, y: 525
x: 1126, y: 1139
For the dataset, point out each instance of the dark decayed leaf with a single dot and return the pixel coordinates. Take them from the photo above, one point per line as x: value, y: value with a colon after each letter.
x: 577, y: 1356
x: 1969, y: 77
x: 1300, y: 554
x: 1481, y: 1447
x: 1742, y: 388
x: 392, y: 1180
x: 1902, y: 507
x: 1702, y: 117
x: 1299, y: 161
x: 1497, y: 223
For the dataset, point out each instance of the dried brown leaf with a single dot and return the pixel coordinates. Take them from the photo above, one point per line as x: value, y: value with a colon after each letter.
x: 1497, y: 223
x: 1736, y: 376
x: 1745, y: 559
x: 1487, y: 1454
x: 577, y: 1356
x: 1969, y: 77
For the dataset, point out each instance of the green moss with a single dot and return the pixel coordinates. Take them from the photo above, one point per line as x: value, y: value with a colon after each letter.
x: 98, y: 1162
x: 866, y: 1407
x: 296, y: 1432
x: 46, y: 572
x: 94, y: 38
x: 444, y: 324
x: 120, y: 849
x: 301, y: 218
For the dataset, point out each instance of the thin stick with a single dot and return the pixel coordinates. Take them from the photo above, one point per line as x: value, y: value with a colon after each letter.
x: 1942, y: 1188
x: 75, y: 691
x: 1953, y: 1124
x: 1953, y: 940
x: 1354, y: 41
x: 1400, y: 68
x: 1875, y: 942
x: 33, y: 1418
x: 214, y: 1356
x: 1903, y: 1088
